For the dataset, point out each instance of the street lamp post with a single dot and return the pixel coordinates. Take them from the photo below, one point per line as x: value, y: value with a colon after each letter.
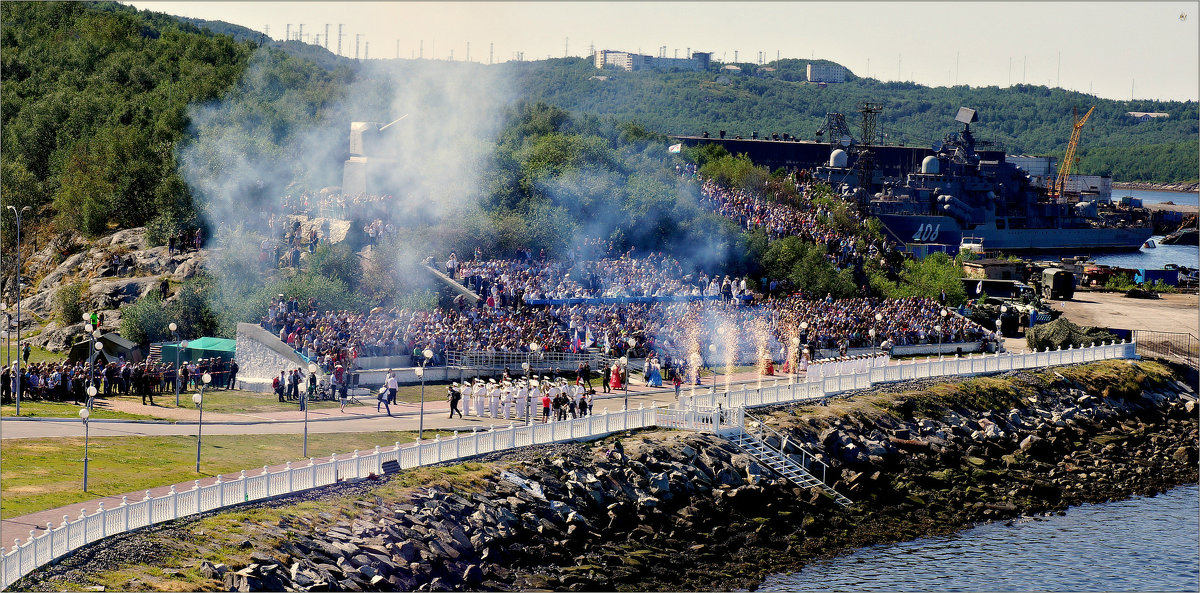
x: 83, y: 415
x: 7, y: 341
x: 528, y: 399
x: 91, y: 393
x: 795, y: 357
x: 198, y: 399
x: 712, y: 349
x: 421, y: 373
x: 17, y: 214
x: 312, y: 370
x: 625, y: 370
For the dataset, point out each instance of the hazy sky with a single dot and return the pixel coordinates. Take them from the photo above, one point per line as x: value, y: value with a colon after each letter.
x: 1109, y: 48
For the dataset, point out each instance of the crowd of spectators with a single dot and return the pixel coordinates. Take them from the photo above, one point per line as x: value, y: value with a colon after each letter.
x: 807, y: 219
x: 68, y: 381
x: 673, y: 329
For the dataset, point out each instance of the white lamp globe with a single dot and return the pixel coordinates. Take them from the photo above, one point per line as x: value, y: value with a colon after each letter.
x: 84, y: 413
x: 420, y: 371
x: 88, y: 328
x: 172, y: 326
x: 207, y: 378
x: 428, y: 353
x: 624, y: 360
x: 91, y: 391
x: 196, y: 399
x: 312, y: 368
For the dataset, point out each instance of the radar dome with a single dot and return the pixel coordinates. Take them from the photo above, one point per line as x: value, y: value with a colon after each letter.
x: 838, y: 158
x: 930, y: 165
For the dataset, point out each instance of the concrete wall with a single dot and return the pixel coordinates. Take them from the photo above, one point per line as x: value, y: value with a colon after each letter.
x: 935, y: 348
x: 261, y: 355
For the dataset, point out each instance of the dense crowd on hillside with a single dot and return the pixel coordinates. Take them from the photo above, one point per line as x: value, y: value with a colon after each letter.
x: 673, y: 329
x: 808, y: 220
x: 510, y: 281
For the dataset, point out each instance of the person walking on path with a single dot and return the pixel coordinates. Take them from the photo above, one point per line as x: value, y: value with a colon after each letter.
x: 455, y: 396
x: 677, y: 382
x: 383, y: 401
x: 392, y: 387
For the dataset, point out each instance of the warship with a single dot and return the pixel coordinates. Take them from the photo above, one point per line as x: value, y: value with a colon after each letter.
x: 960, y: 197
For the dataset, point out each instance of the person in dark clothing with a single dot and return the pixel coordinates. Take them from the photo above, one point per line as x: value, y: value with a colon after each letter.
x: 454, y: 396
x: 233, y: 369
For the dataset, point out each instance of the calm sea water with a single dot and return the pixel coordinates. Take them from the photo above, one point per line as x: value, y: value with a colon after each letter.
x: 1158, y: 197
x: 1141, y: 544
x: 1180, y: 255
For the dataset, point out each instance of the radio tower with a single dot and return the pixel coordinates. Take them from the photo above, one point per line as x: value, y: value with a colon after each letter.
x: 491, y: 50
x: 288, y: 36
x: 468, y: 51
x: 300, y: 35
x: 357, y: 41
x: 367, y: 51
x: 326, y: 37
x: 339, y: 51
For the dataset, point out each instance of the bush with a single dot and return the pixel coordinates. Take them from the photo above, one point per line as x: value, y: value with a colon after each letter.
x: 68, y: 303
x: 337, y: 261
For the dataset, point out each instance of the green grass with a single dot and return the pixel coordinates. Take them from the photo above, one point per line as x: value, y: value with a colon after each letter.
x: 36, y: 355
x: 65, y: 410
x: 227, y: 401
x: 40, y: 474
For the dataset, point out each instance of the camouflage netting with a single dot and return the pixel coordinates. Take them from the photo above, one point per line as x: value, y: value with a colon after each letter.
x: 1061, y: 333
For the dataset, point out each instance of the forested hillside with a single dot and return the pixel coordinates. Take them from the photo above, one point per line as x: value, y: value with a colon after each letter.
x: 98, y: 101
x: 1024, y: 119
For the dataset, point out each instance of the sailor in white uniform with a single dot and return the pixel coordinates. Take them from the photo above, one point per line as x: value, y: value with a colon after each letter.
x: 480, y: 396
x: 492, y: 396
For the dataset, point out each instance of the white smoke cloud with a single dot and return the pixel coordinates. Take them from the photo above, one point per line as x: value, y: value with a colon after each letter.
x: 433, y: 159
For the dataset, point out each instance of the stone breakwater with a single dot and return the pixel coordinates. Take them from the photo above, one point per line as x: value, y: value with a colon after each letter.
x: 1182, y: 186
x: 663, y: 510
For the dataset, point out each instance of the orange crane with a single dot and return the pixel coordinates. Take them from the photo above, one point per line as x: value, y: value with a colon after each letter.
x: 1069, y: 160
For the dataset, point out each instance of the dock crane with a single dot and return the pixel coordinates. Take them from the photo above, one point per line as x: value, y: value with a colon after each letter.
x: 1069, y: 160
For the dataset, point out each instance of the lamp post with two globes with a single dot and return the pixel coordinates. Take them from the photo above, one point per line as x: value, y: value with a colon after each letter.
x: 420, y: 371
x: 84, y: 413
x: 198, y: 399
x: 528, y: 398
x: 312, y: 370
x: 17, y: 214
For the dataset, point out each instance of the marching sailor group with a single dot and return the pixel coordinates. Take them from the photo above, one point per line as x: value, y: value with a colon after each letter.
x: 519, y: 398
x: 844, y: 365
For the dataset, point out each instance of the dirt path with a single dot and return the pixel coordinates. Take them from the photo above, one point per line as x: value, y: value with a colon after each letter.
x: 1171, y: 313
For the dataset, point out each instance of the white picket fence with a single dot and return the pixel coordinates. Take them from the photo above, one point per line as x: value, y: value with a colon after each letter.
x: 781, y: 392
x: 710, y: 412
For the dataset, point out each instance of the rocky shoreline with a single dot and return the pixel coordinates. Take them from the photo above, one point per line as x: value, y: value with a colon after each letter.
x: 1184, y: 187
x: 669, y: 510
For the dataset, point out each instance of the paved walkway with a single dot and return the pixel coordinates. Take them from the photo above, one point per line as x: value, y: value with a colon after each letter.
x: 356, y: 418
x: 405, y: 416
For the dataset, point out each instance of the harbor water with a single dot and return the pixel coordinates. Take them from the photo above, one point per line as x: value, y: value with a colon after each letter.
x: 1147, y: 258
x: 1140, y: 544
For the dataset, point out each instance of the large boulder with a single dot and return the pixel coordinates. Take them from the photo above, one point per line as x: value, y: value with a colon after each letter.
x: 56, y: 338
x: 111, y: 294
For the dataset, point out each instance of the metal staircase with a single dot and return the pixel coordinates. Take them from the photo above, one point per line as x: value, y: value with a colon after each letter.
x: 778, y: 461
x: 155, y: 352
